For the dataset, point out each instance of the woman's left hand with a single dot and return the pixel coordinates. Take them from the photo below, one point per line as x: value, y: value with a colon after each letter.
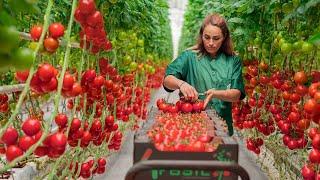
x: 209, y: 95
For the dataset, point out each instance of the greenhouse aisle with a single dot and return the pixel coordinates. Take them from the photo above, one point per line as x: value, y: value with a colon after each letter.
x: 119, y: 165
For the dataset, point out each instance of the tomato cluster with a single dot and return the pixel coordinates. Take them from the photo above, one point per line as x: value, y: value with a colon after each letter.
x: 87, y: 169
x: 183, y: 132
x: 285, y: 101
x: 51, y: 42
x: 44, y: 80
x: 4, y: 103
x: 16, y: 146
x: 92, y: 25
x: 254, y: 144
x: 180, y: 106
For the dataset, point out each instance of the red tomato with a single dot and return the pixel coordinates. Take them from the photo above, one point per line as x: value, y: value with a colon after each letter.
x: 13, y: 152
x: 56, y: 30
x: 205, y: 138
x: 50, y: 86
x: 31, y: 126
x: 198, y: 106
x: 95, y: 19
x: 58, y: 140
x: 310, y: 106
x: 87, y: 6
x: 98, y: 81
x: 313, y: 88
x: 186, y: 107
x: 308, y: 172
x: 51, y: 44
x: 314, y: 156
x: 75, y: 124
x: 76, y: 89
x: 25, y: 142
x: 22, y: 76
x: 41, y: 151
x: 45, y: 72
x: 10, y: 136
x: 102, y: 162
x: 35, y: 32
x: 300, y: 77
x: 68, y: 81
x: 61, y: 120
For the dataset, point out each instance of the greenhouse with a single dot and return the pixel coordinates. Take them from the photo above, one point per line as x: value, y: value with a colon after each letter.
x: 160, y: 89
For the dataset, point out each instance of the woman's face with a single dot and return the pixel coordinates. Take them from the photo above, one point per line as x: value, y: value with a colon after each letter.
x: 212, y: 38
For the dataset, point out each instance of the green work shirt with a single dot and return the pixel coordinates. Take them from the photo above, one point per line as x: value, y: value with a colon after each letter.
x: 204, y: 73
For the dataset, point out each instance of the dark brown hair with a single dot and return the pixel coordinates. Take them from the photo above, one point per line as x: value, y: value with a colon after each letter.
x: 215, y: 20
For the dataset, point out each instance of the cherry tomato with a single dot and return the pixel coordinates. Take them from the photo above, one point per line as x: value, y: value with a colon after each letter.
x: 51, y: 44
x: 56, y: 30
x: 35, y: 32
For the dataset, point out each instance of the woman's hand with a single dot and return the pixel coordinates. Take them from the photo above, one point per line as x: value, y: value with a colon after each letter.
x: 209, y: 95
x: 189, y: 92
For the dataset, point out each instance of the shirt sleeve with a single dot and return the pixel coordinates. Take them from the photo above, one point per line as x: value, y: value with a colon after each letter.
x: 237, y: 79
x: 178, y: 68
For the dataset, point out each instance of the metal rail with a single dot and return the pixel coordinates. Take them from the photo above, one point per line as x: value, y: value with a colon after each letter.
x: 185, y: 164
x: 11, y: 88
x: 27, y: 36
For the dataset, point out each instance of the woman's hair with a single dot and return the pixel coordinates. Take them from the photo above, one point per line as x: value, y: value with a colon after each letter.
x: 215, y: 20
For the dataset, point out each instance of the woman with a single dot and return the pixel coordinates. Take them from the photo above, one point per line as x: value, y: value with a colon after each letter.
x: 210, y: 68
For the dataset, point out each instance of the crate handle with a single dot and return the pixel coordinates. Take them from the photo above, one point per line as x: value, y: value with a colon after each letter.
x: 186, y: 164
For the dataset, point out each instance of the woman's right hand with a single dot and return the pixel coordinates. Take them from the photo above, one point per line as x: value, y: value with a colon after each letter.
x: 188, y: 91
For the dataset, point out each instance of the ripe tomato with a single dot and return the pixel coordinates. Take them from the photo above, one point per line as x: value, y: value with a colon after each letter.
x: 45, y: 72
x: 35, y: 32
x: 314, y: 156
x: 50, y: 86
x: 25, y: 142
x: 13, y: 152
x: 22, y: 76
x: 95, y: 19
x: 198, y: 106
x: 61, y: 120
x: 31, y: 126
x: 186, y: 107
x: 300, y: 77
x: 51, y: 44
x: 308, y: 172
x: 87, y: 6
x: 68, y: 81
x: 10, y: 136
x: 56, y: 30
x: 102, y: 162
x: 310, y: 106
x: 76, y: 89
x: 303, y: 124
x: 314, y: 87
x: 58, y: 140
x: 75, y: 124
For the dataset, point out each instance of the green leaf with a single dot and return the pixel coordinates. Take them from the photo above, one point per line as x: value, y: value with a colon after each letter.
x: 68, y: 2
x: 315, y: 39
x: 235, y: 20
x: 6, y: 19
x: 312, y: 3
x: 239, y: 31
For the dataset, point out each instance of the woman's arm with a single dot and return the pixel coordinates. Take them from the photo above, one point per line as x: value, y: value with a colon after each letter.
x: 186, y: 89
x: 172, y: 82
x: 229, y: 95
